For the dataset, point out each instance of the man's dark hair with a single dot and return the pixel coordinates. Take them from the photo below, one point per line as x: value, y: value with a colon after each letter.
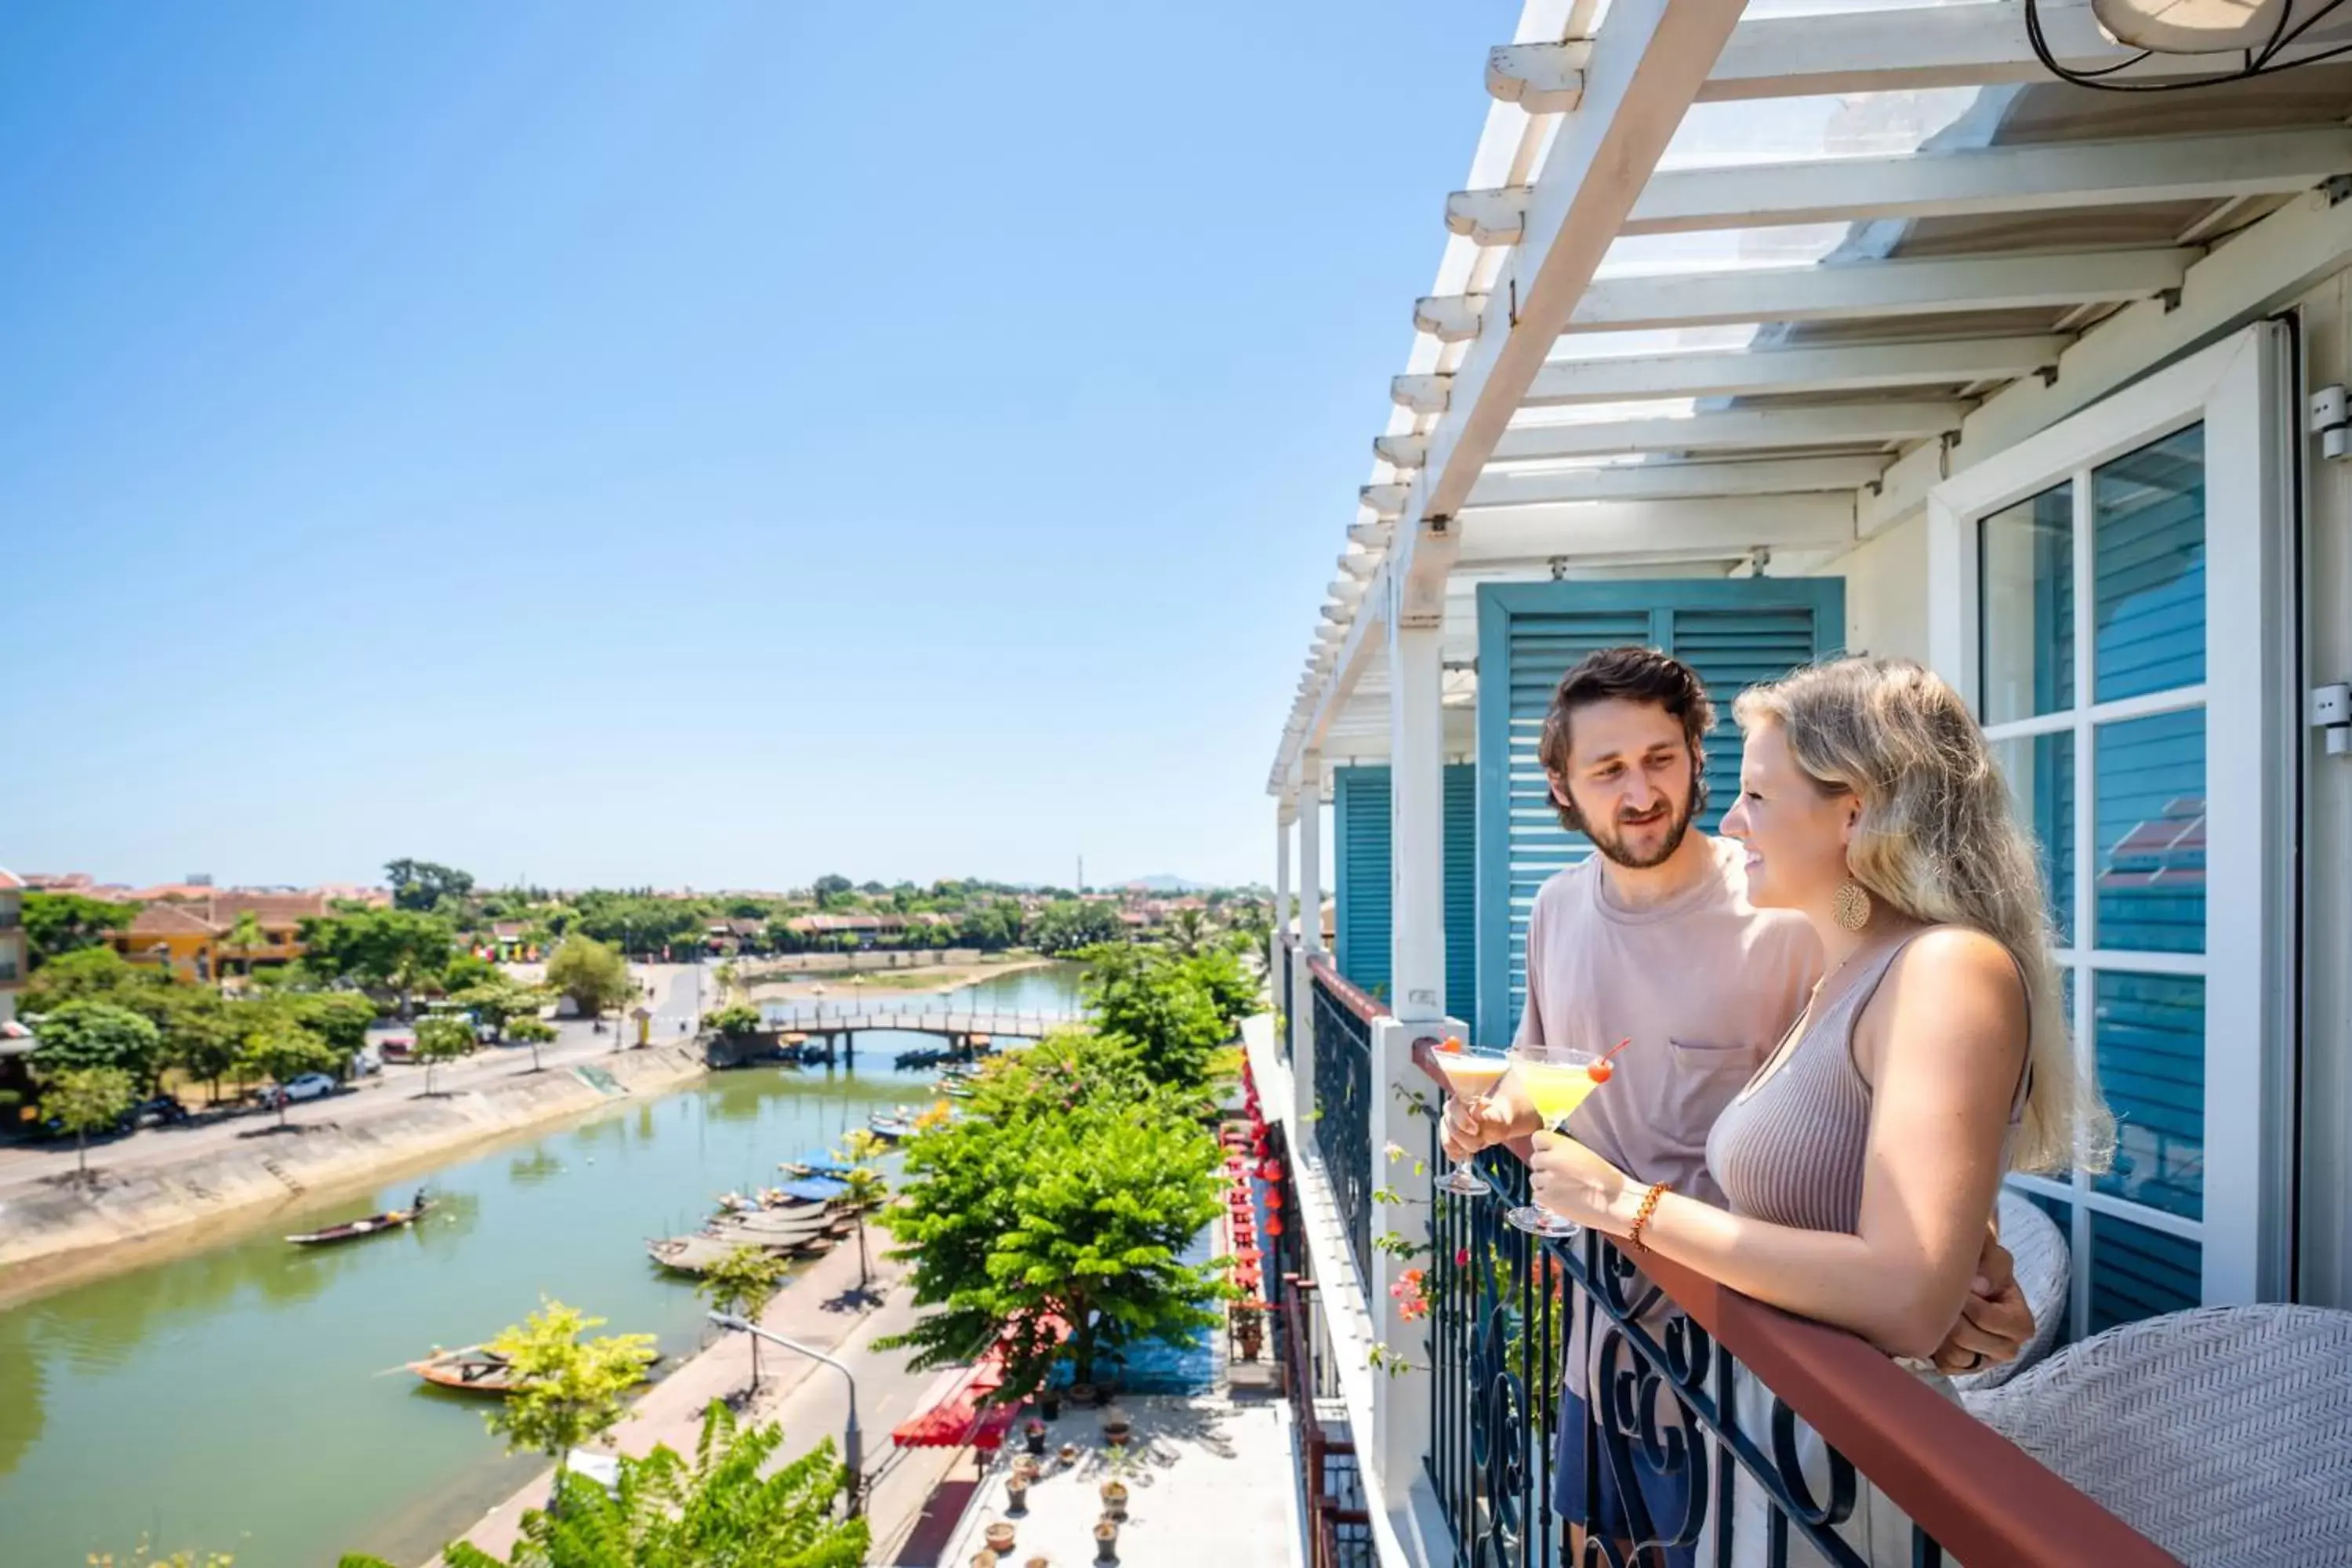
x: 1631, y: 674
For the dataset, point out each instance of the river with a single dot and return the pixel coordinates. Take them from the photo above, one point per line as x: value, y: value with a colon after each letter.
x: 250, y: 1397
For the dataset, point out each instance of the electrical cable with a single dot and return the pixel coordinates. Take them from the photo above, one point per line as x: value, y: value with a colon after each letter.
x: 2259, y: 61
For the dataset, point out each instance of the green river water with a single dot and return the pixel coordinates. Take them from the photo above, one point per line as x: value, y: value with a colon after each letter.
x: 247, y: 1398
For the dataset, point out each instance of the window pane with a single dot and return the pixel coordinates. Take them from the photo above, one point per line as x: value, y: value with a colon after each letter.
x: 2148, y: 553
x: 2150, y: 828
x: 2041, y: 773
x: 2138, y: 1273
x: 2025, y: 567
x: 2150, y: 1040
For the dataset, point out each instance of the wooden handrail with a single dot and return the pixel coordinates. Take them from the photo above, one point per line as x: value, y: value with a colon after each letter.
x: 1348, y: 995
x: 1980, y: 1496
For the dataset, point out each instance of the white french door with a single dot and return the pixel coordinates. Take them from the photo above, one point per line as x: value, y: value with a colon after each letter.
x: 2114, y: 594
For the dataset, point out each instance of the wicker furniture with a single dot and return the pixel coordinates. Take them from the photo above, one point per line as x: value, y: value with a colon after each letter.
x: 2042, y: 1266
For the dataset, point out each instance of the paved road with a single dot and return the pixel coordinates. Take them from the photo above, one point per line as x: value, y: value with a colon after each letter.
x: 673, y: 987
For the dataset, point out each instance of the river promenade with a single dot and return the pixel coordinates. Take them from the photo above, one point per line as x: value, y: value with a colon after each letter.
x: 167, y: 1189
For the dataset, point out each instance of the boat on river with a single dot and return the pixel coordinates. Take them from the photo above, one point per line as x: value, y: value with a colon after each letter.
x: 695, y: 1254
x: 475, y: 1369
x: 373, y: 1225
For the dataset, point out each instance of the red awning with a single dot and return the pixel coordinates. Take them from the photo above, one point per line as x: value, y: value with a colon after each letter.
x: 959, y: 1423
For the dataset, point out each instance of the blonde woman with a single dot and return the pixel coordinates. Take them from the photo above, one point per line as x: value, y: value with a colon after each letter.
x: 1862, y: 1160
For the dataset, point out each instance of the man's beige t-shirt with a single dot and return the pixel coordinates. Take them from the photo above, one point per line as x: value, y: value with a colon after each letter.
x: 1705, y: 985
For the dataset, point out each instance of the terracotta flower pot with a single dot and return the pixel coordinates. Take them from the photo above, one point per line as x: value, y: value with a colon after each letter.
x: 1114, y: 1497
x: 1116, y: 1426
x: 1069, y: 1455
x: 999, y: 1538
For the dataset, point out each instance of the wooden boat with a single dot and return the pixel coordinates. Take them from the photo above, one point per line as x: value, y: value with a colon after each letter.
x: 776, y: 1227
x: 695, y: 1253
x: 351, y: 1230
x: 476, y: 1369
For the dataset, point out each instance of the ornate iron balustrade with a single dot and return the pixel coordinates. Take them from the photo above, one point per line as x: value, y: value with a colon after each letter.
x: 1710, y: 1388
x: 1343, y: 1101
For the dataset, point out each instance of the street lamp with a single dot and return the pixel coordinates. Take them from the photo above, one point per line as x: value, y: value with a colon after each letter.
x: 853, y: 1450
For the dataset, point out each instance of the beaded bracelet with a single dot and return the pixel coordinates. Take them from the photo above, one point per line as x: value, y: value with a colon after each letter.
x: 1641, y: 1215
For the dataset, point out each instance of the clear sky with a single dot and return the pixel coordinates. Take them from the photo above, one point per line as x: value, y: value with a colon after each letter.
x: 711, y: 444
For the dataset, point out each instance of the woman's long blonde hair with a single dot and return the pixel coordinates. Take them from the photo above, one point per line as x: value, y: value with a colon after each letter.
x: 1939, y: 839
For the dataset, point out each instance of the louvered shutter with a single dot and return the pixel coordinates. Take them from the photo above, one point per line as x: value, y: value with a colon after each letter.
x: 1360, y: 826
x: 1462, y: 890
x: 1530, y: 634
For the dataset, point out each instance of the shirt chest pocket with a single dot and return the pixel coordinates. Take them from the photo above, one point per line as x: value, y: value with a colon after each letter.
x: 1706, y: 1076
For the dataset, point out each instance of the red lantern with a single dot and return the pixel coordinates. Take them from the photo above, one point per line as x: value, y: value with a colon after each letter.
x: 1274, y: 1197
x: 1270, y: 1171
x: 1274, y: 1224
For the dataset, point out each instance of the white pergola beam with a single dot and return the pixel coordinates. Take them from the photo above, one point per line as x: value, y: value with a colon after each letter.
x: 1589, y: 528
x: 1839, y: 53
x: 1862, y: 367
x: 1542, y: 78
x: 1864, y: 291
x: 2058, y: 177
x: 1674, y: 482
x: 1423, y: 394
x: 1489, y: 217
x: 1642, y: 71
x: 1402, y: 453
x: 1835, y: 425
x: 1384, y: 501
x: 1452, y: 318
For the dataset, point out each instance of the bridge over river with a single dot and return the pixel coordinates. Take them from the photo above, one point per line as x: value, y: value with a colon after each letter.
x: 816, y: 1022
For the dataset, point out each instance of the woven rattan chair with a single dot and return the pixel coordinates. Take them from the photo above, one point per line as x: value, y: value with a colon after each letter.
x: 2223, y: 1435
x: 2042, y: 1267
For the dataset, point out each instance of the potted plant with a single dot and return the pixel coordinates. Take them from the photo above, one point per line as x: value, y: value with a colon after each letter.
x: 1116, y: 1426
x: 1016, y: 1494
x: 1114, y: 1497
x: 1082, y: 1395
x: 1106, y: 1540
x: 999, y: 1537
x: 1249, y: 1329
x: 1027, y: 1467
x: 1040, y: 1561
x: 1069, y: 1455
x: 983, y: 1560
x: 1036, y: 1432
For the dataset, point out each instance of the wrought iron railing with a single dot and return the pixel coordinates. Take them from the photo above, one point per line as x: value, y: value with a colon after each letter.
x: 1706, y: 1387
x: 1343, y: 1102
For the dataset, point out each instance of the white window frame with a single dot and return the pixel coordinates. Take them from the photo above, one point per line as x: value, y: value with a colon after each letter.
x: 2241, y: 390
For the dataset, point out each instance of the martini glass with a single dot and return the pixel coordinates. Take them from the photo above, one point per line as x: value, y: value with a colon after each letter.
x: 1556, y: 1081
x: 1470, y: 1075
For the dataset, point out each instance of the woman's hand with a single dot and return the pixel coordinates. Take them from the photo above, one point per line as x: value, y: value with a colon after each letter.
x: 1576, y: 1183
x: 1470, y: 1125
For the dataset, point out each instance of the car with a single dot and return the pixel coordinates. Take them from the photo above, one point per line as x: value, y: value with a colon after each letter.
x: 163, y: 1110
x: 309, y: 1085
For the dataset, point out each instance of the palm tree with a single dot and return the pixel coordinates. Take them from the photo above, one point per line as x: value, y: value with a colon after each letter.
x: 1187, y: 932
x: 244, y: 937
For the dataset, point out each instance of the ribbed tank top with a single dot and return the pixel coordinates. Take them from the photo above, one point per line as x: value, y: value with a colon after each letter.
x: 1790, y: 1149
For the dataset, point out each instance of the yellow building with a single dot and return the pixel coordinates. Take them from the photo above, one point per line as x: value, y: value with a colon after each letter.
x: 191, y: 937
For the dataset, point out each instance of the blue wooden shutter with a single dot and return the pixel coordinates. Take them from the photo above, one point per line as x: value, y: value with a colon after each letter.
x: 1359, y: 827
x: 1462, y: 890
x: 1734, y: 633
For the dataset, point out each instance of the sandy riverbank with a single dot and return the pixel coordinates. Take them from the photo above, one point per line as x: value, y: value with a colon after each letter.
x: 880, y: 983
x: 64, y: 1232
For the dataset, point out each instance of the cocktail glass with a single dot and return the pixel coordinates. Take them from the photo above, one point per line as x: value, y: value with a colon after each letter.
x: 1470, y: 1075
x: 1556, y: 1081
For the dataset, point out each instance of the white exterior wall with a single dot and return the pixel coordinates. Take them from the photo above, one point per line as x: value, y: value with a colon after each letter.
x: 1886, y: 592
x: 2325, y: 1228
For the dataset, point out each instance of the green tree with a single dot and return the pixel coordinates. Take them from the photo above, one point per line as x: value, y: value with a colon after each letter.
x: 500, y: 1002
x: 59, y: 924
x: 533, y: 1031
x: 593, y: 975
x: 1157, y: 1006
x: 85, y: 1100
x: 1069, y: 1191
x: 99, y: 1034
x: 1189, y: 932
x: 464, y: 972
x: 568, y: 1390
x: 1071, y: 925
x: 340, y: 1018
x: 282, y: 1052
x: 720, y: 1510
x: 832, y: 891
x: 203, y: 1034
x: 87, y: 975
x: 442, y: 1040
x: 1219, y: 972
x: 392, y: 949
x: 423, y: 885
x: 744, y: 1282
x: 244, y: 936
x: 735, y: 1023
x: 868, y: 1188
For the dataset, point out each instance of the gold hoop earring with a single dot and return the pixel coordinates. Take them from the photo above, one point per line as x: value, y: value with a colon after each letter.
x: 1850, y: 905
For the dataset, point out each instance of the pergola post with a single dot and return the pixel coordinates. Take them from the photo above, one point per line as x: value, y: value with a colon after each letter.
x: 1309, y: 796
x: 1417, y: 811
x: 1286, y: 819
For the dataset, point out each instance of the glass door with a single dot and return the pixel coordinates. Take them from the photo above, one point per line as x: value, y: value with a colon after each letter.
x: 2110, y: 593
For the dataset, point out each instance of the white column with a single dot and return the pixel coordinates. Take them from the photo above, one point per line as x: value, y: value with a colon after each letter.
x: 1416, y: 819
x: 1311, y: 852
x: 1286, y: 819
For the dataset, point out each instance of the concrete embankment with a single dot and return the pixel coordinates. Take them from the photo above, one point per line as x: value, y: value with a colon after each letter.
x: 68, y: 1229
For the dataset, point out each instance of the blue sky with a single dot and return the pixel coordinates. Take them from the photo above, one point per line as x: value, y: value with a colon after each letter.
x: 713, y: 444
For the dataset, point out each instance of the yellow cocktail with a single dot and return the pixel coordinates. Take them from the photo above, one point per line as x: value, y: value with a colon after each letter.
x: 1556, y: 1086
x: 1471, y: 1075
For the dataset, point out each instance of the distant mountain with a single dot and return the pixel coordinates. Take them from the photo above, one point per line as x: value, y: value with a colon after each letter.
x: 1163, y: 884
